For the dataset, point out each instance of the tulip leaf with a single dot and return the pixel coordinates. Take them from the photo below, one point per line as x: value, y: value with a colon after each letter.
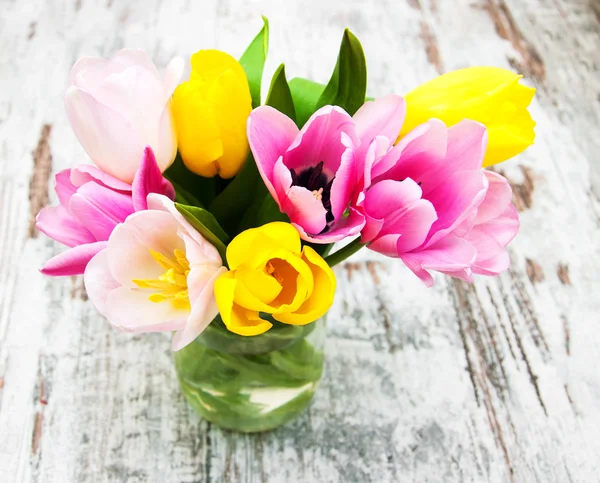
x: 305, y: 94
x: 207, y: 226
x: 280, y: 96
x: 230, y: 204
x: 348, y: 84
x: 263, y: 210
x: 253, y: 61
x: 190, y: 186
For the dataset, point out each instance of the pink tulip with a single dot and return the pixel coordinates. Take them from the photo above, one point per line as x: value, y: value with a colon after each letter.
x: 156, y: 274
x: 432, y: 205
x: 314, y: 173
x: 92, y: 203
x: 117, y: 107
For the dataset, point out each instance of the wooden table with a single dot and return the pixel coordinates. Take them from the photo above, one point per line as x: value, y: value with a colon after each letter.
x: 497, y: 381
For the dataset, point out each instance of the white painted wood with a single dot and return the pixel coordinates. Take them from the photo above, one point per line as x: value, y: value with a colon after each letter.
x: 495, y: 382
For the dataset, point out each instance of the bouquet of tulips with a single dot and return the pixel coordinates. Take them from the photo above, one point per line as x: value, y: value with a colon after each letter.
x: 213, y: 215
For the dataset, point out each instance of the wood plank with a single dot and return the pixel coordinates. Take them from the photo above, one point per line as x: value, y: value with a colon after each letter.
x: 496, y: 381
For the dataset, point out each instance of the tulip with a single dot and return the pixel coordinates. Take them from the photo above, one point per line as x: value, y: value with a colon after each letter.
x: 270, y: 273
x: 313, y: 174
x: 92, y: 203
x: 117, y: 107
x: 489, y: 95
x: 430, y: 203
x: 210, y: 112
x: 156, y: 274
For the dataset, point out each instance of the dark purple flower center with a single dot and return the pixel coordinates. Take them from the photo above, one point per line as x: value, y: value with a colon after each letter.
x: 314, y: 180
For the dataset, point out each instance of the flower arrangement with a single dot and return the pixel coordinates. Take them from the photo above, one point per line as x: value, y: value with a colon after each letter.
x: 213, y: 216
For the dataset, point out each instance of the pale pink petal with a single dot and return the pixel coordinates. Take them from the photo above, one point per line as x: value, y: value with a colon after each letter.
x: 304, y: 209
x: 60, y: 225
x: 64, y: 187
x: 450, y: 254
x: 198, y: 249
x: 454, y: 200
x: 497, y: 198
x: 270, y: 133
x: 98, y: 281
x: 165, y: 145
x: 172, y: 76
x: 377, y: 151
x: 111, y: 141
x: 149, y: 179
x: 346, y: 227
x: 131, y: 310
x: 388, y: 196
x: 100, y: 209
x: 382, y: 117
x: 282, y: 181
x: 73, y: 261
x: 503, y: 228
x: 321, y: 140
x: 204, y: 310
x: 84, y: 173
x: 130, y: 243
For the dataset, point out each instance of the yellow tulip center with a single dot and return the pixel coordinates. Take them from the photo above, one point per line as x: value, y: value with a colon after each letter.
x: 171, y: 286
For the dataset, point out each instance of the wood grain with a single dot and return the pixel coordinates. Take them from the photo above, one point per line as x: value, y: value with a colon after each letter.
x: 497, y: 381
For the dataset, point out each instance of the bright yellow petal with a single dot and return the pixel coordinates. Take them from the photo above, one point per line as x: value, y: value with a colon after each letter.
x: 322, y: 296
x: 260, y: 284
x: 297, y: 281
x: 198, y: 135
x: 208, y: 65
x: 229, y: 96
x: 489, y: 95
x: 253, y: 245
x: 235, y: 318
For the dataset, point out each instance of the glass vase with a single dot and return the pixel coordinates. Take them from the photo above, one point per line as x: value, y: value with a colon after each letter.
x: 256, y: 383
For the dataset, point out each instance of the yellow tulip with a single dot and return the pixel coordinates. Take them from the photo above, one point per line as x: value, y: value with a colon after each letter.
x: 210, y: 112
x: 270, y: 273
x: 489, y: 95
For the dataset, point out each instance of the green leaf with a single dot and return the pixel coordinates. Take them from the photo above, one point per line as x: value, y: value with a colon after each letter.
x: 253, y: 61
x: 190, y: 185
x: 207, y: 226
x: 280, y: 96
x: 184, y: 197
x: 348, y: 84
x: 305, y: 94
x: 264, y: 210
x: 231, y: 204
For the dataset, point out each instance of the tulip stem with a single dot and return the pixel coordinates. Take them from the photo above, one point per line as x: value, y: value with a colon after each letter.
x: 344, y: 253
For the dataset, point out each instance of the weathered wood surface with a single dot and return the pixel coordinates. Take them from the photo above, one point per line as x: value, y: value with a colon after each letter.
x: 498, y: 381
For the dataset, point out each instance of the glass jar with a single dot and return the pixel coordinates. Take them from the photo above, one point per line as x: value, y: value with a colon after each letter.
x: 255, y: 383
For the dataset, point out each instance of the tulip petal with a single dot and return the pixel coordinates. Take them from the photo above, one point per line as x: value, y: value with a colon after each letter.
x: 131, y: 310
x: 100, y: 209
x: 235, y: 318
x: 98, y: 281
x: 130, y: 243
x: 382, y: 117
x: 322, y: 294
x: 64, y: 187
x: 270, y: 133
x: 448, y: 255
x: 305, y: 209
x: 204, y: 310
x: 60, y: 225
x: 149, y: 179
x: 454, y: 200
x: 172, y: 76
x: 497, y: 198
x: 345, y: 182
x: 280, y: 234
x: 85, y: 173
x: 346, y: 227
x: 112, y: 143
x: 73, y: 261
x: 321, y: 140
